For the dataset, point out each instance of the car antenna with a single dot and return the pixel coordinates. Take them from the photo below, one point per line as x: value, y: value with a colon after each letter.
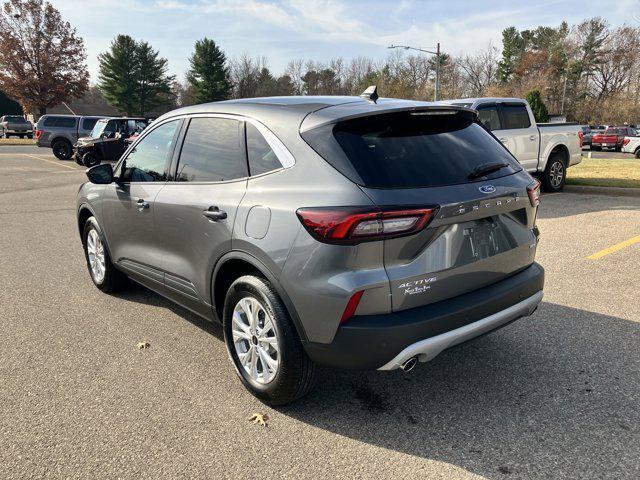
x: 370, y: 94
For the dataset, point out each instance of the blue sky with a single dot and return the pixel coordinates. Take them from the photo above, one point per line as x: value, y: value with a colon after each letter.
x: 281, y: 30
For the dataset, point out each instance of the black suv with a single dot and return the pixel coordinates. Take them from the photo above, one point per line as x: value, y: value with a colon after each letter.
x: 108, y: 140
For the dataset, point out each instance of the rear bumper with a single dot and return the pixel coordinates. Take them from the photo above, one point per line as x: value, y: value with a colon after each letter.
x: 386, y: 341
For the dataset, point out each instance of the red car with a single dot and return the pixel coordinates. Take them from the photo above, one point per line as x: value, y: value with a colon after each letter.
x: 611, y: 138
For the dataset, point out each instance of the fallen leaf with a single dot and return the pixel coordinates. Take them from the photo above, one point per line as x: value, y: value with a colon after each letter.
x: 143, y: 345
x: 259, y: 419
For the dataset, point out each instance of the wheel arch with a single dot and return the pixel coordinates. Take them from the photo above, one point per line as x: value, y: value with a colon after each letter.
x: 235, y: 264
x: 560, y: 148
x: 63, y: 138
x: 84, y: 213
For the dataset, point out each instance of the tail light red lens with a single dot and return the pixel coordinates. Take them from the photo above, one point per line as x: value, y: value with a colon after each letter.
x: 581, y: 135
x: 534, y: 193
x: 626, y: 141
x: 348, y: 225
x: 39, y: 134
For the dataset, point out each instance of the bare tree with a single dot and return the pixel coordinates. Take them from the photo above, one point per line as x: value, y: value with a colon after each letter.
x: 479, y: 70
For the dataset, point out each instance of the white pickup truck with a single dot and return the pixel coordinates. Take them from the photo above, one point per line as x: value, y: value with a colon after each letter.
x: 543, y: 149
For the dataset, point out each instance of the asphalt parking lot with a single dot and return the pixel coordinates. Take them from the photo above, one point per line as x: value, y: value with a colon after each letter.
x: 556, y: 395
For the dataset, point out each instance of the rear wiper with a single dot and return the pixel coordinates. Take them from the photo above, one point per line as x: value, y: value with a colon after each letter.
x: 485, y: 168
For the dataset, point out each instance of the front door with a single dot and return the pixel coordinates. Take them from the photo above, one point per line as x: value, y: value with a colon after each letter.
x: 129, y: 206
x: 195, y: 213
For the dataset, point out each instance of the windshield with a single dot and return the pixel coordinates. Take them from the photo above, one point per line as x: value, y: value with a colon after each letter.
x: 412, y: 149
x: 98, y: 128
x: 15, y: 119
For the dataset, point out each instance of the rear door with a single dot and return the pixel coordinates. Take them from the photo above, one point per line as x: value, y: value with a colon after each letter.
x: 197, y: 208
x: 482, y: 230
x: 520, y: 136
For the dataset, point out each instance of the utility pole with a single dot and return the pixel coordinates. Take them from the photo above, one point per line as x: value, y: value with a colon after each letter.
x: 436, y: 92
x: 564, y: 94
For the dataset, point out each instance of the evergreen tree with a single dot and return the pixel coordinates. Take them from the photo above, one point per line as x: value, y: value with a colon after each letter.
x: 9, y: 106
x: 208, y: 74
x: 153, y: 86
x: 540, y: 112
x: 512, y: 47
x: 117, y: 75
x: 133, y: 78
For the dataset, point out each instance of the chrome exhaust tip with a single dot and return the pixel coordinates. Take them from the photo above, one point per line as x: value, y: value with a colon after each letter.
x: 409, y: 364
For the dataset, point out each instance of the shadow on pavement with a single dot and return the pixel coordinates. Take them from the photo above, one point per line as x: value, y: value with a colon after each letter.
x: 554, y: 395
x: 560, y: 205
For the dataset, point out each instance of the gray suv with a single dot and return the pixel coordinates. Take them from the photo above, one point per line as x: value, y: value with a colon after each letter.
x: 340, y: 231
x: 61, y: 132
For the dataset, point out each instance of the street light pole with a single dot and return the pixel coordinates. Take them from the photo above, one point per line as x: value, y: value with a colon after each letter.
x: 436, y: 93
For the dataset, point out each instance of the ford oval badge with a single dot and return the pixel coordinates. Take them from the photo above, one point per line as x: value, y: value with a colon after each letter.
x: 487, y: 189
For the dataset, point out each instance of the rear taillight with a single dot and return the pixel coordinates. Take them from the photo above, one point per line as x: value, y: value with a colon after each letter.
x: 534, y: 193
x: 581, y: 135
x: 626, y: 141
x: 39, y: 134
x: 347, y: 225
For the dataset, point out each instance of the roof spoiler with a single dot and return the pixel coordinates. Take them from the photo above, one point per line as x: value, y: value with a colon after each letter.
x: 370, y: 94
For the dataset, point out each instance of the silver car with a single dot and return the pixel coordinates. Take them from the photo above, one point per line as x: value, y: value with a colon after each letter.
x: 345, y: 231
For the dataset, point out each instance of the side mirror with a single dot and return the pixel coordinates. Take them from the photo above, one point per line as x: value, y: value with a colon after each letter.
x: 101, y: 174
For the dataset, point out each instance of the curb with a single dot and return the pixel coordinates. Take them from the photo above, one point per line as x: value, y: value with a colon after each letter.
x: 613, y: 191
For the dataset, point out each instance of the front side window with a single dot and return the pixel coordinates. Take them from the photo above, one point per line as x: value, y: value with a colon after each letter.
x: 262, y: 158
x: 515, y: 116
x: 488, y: 117
x: 146, y: 162
x: 212, y: 151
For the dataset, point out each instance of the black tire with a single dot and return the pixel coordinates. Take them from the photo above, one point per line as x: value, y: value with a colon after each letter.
x: 296, y: 372
x: 62, y: 149
x: 637, y: 154
x: 90, y: 159
x: 555, y: 173
x: 113, y: 279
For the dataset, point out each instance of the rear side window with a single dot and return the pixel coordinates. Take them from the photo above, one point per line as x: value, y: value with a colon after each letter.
x: 515, y: 116
x: 261, y: 158
x: 212, y: 151
x: 488, y: 117
x: 89, y: 123
x: 50, y: 121
x: 410, y: 149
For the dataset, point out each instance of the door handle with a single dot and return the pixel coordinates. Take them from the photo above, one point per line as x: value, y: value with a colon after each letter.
x: 504, y: 139
x: 142, y: 205
x: 532, y: 137
x: 214, y: 214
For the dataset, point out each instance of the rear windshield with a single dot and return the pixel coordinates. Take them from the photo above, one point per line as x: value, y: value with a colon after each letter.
x: 16, y: 119
x: 615, y: 131
x: 411, y: 149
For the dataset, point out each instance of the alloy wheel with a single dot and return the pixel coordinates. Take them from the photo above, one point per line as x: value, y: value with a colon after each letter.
x: 95, y: 252
x: 556, y: 174
x: 255, y: 340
